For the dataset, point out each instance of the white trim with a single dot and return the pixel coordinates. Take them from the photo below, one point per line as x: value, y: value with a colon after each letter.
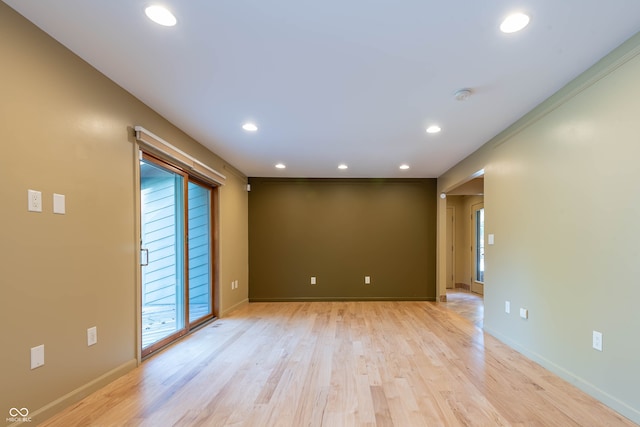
x: 140, y: 130
x: 624, y: 53
x: 198, y: 162
x: 620, y: 406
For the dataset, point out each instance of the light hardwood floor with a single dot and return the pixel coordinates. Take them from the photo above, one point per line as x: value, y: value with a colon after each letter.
x: 467, y: 304
x: 339, y: 364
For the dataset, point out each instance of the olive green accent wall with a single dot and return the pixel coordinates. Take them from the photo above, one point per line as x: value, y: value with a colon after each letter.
x: 65, y: 128
x: 341, y: 230
x: 562, y: 199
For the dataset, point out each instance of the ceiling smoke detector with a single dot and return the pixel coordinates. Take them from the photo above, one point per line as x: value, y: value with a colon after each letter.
x: 462, y: 94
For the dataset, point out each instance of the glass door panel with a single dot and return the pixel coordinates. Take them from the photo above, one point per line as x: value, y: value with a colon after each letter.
x: 479, y: 243
x: 162, y: 243
x: 199, y: 220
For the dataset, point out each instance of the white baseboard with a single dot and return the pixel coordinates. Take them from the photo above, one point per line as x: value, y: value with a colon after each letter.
x: 41, y: 414
x: 611, y: 401
x: 234, y: 307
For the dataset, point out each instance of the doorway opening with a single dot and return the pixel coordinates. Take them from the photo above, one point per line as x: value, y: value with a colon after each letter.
x: 177, y: 256
x: 465, y: 236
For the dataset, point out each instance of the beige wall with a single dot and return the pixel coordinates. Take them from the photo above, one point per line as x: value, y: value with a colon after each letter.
x: 562, y: 199
x: 234, y: 243
x: 65, y: 128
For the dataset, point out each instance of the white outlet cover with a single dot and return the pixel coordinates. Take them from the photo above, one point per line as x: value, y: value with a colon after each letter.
x: 313, y: 280
x: 491, y: 239
x: 597, y: 340
x: 367, y: 280
x: 59, y: 204
x: 37, y: 356
x: 524, y: 313
x: 92, y: 336
x: 507, y: 307
x: 35, y: 201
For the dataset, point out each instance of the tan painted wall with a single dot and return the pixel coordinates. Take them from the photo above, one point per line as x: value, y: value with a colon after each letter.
x: 234, y: 243
x: 65, y: 128
x: 562, y: 198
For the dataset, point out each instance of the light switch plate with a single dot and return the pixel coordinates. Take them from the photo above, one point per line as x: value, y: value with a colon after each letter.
x: 507, y: 307
x: 59, y: 204
x: 313, y: 280
x: 491, y: 239
x: 367, y: 280
x: 524, y: 313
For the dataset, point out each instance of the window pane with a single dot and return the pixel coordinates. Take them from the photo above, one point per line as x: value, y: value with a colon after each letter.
x: 199, y: 251
x: 162, y: 210
x: 480, y: 245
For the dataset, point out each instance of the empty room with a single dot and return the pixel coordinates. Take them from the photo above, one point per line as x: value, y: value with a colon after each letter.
x: 319, y: 214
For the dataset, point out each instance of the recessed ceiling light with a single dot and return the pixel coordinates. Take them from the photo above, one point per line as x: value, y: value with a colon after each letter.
x: 514, y: 23
x: 161, y: 15
x: 404, y: 167
x: 280, y: 166
x: 343, y: 166
x: 433, y: 129
x: 249, y: 127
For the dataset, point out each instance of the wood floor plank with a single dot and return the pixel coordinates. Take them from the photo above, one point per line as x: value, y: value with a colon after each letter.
x: 330, y: 364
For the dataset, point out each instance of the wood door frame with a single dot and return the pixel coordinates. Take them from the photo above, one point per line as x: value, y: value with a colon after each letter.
x: 212, y: 254
x: 214, y: 243
x: 451, y: 253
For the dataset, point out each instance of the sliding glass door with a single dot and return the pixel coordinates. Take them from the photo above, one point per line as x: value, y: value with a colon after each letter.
x: 176, y: 253
x: 199, y: 218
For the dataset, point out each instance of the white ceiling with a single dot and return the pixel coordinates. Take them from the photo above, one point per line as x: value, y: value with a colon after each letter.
x: 339, y: 81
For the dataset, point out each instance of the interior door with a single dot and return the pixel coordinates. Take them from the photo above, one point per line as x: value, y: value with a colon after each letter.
x: 450, y: 246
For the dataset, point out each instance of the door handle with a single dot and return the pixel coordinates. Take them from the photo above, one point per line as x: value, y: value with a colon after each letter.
x: 146, y: 262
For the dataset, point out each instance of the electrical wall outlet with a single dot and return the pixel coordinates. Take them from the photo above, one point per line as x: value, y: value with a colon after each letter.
x: 92, y: 336
x: 313, y: 280
x: 367, y: 280
x: 524, y: 313
x: 37, y: 356
x: 35, y: 201
x: 507, y: 307
x: 597, y: 340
